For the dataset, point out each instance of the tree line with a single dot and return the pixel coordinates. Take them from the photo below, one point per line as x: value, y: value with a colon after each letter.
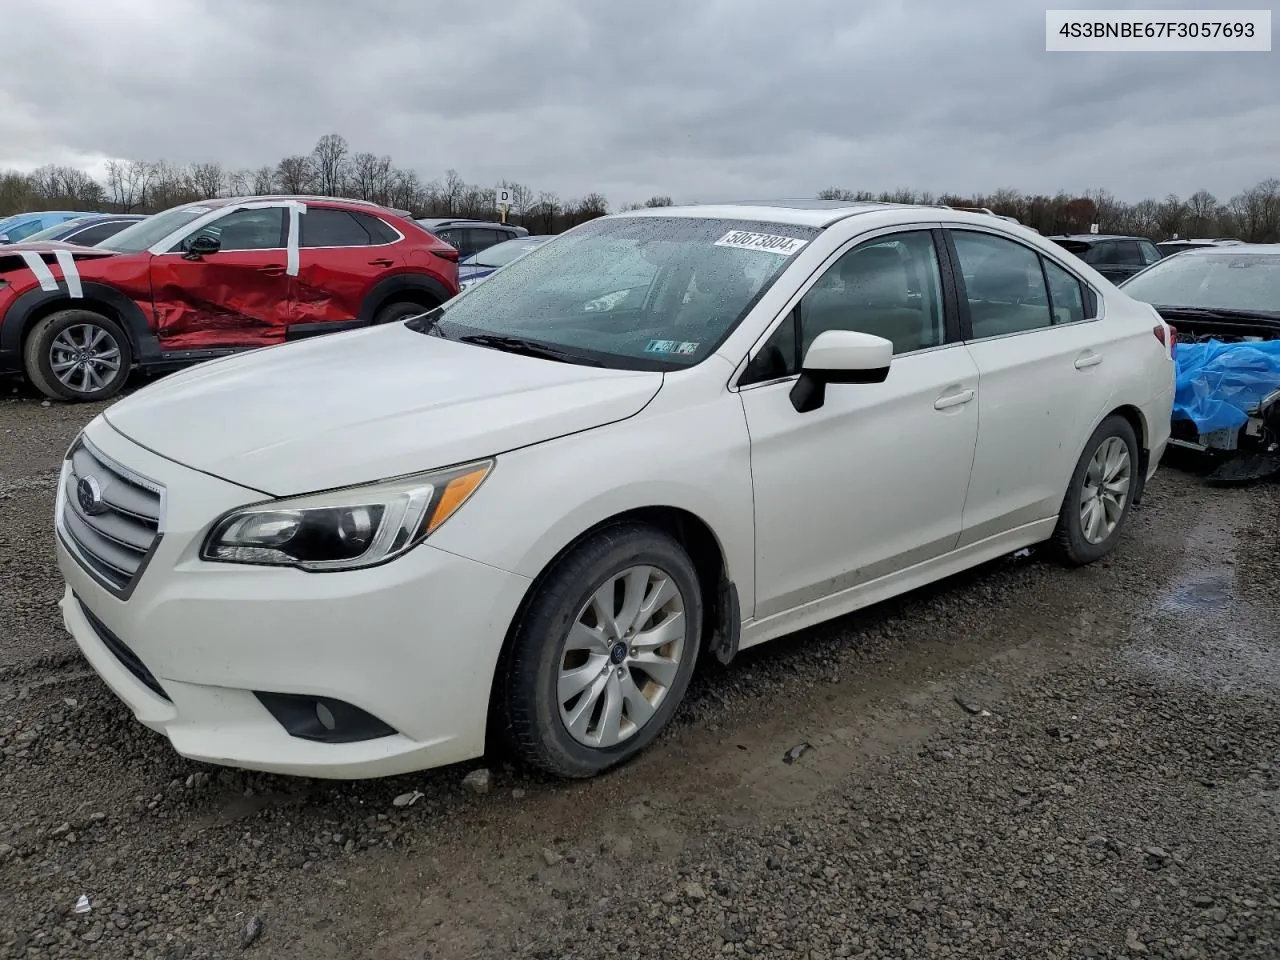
x: 1252, y: 215
x: 332, y: 168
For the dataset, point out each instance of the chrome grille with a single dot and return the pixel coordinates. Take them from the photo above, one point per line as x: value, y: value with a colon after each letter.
x: 110, y: 516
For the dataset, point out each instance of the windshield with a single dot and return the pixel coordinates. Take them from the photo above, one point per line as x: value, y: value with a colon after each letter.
x: 501, y: 254
x: 1215, y: 281
x: 49, y: 233
x: 146, y: 233
x: 639, y: 293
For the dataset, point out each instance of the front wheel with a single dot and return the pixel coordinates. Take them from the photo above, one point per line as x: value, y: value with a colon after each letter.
x: 603, y: 655
x: 77, y: 355
x: 1100, y: 494
x: 400, y: 310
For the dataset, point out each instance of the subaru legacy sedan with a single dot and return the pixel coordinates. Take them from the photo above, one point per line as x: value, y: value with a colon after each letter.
x: 522, y: 518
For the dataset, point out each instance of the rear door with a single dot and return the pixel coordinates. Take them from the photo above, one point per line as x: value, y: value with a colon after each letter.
x: 238, y: 296
x: 341, y: 255
x: 1042, y: 358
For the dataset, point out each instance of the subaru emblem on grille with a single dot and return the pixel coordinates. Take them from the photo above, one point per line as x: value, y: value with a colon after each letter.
x: 89, y: 496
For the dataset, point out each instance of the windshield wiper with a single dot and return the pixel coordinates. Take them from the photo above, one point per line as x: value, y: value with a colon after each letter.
x: 527, y: 348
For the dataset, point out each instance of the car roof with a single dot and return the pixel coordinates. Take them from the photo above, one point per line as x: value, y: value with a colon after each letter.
x: 1234, y: 250
x: 306, y: 197
x: 801, y: 213
x: 1095, y: 237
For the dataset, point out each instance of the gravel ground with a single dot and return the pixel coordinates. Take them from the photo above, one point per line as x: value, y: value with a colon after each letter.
x: 1022, y: 762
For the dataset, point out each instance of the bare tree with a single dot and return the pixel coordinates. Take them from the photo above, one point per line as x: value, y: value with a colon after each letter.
x: 264, y: 181
x: 296, y: 174
x: 170, y: 186
x: 208, y: 179
x: 548, y: 208
x: 1171, y: 216
x: 239, y: 182
x: 1202, y: 210
x: 329, y: 161
x: 128, y: 182
x: 452, y: 191
x: 588, y: 208
x: 659, y: 201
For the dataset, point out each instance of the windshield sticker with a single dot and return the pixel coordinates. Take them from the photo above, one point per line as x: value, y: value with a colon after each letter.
x: 680, y: 347
x: 765, y: 242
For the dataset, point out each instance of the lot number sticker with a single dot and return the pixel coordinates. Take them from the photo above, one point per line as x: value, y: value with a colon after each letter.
x: 765, y: 242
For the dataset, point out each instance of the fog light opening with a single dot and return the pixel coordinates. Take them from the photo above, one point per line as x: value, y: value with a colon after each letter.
x: 323, y: 719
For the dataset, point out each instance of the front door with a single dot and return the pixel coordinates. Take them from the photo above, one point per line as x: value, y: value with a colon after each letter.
x: 874, y: 480
x: 238, y: 296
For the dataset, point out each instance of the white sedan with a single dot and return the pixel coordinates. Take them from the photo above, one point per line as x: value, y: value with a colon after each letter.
x: 523, y: 516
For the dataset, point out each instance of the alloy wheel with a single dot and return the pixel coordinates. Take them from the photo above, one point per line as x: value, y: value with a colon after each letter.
x: 621, y: 657
x: 1105, y: 491
x: 84, y: 357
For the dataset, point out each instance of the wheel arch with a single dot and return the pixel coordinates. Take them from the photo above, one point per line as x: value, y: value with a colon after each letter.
x: 722, y: 621
x: 417, y: 288
x: 1141, y: 430
x: 35, y: 305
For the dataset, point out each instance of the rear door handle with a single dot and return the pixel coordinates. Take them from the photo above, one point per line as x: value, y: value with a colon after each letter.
x: 272, y: 269
x: 382, y: 263
x: 953, y: 399
x: 1088, y: 360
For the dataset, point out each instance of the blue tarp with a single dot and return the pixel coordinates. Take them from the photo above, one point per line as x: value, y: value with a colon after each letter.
x: 1218, y: 383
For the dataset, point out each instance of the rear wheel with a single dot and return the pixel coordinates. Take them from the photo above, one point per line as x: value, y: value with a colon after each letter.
x: 77, y: 355
x: 1100, y: 494
x: 400, y: 310
x: 603, y: 655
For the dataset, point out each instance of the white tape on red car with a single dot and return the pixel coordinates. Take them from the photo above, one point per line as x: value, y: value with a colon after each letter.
x: 35, y: 263
x: 70, y: 273
x: 291, y: 244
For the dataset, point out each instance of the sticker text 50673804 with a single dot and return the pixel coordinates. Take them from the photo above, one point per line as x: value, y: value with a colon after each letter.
x: 766, y: 242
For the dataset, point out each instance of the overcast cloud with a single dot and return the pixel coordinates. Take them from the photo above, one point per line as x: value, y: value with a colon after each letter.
x: 699, y: 99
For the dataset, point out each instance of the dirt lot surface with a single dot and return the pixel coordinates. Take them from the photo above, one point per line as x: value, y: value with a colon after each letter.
x: 1021, y: 762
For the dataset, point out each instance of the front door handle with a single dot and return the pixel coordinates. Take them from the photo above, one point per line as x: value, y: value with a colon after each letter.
x: 952, y: 399
x: 382, y: 263
x: 272, y: 269
x: 1088, y: 360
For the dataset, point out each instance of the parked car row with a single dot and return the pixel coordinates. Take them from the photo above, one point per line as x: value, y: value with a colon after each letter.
x: 21, y: 226
x: 206, y: 279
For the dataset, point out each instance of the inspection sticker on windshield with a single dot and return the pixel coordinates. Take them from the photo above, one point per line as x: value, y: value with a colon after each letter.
x: 766, y: 242
x: 682, y: 347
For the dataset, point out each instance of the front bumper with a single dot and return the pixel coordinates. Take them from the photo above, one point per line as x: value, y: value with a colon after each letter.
x: 414, y: 642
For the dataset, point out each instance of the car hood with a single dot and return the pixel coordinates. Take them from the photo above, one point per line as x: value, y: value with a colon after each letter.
x: 356, y: 407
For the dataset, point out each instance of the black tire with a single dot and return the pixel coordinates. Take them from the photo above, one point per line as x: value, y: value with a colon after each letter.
x: 38, y: 362
x: 528, y: 709
x: 397, y: 311
x: 1069, y: 543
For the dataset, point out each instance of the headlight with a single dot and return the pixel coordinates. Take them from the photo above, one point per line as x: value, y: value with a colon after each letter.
x: 344, y: 529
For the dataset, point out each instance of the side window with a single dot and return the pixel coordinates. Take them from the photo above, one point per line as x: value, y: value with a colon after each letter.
x: 777, y: 358
x: 24, y: 231
x: 331, y: 228
x: 465, y: 239
x: 450, y: 237
x: 257, y: 229
x: 376, y: 228
x: 1101, y: 253
x: 97, y: 233
x: 1003, y: 283
x: 1149, y: 252
x: 1129, y: 254
x: 890, y: 287
x: 484, y: 239
x: 1065, y: 294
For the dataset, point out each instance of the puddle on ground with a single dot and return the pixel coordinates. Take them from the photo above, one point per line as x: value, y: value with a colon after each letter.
x: 1201, y: 631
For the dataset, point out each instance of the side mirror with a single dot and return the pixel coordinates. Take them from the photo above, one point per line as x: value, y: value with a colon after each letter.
x: 840, y: 356
x: 201, y: 246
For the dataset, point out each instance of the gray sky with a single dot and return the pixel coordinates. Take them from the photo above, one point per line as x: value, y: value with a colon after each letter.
x: 699, y: 99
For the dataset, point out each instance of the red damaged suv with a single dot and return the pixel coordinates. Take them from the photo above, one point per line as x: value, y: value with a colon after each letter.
x: 207, y: 279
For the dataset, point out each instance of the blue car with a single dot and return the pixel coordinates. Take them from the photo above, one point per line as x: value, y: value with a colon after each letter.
x: 87, y: 231
x: 21, y: 225
x: 479, y: 265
